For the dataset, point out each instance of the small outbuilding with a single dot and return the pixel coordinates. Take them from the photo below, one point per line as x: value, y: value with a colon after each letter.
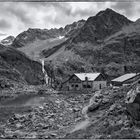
x: 91, y: 81
x: 125, y: 79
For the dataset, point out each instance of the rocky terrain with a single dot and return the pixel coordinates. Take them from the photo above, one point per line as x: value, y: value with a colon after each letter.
x: 8, y: 40
x: 49, y: 115
x: 33, y: 41
x: 17, y: 69
x: 111, y: 115
x: 34, y: 34
x: 107, y: 42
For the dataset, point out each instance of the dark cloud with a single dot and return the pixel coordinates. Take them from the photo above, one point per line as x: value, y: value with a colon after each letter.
x: 83, y: 12
x: 66, y: 8
x: 2, y: 34
x: 21, y: 14
x: 127, y: 7
x: 56, y: 14
x: 4, y: 24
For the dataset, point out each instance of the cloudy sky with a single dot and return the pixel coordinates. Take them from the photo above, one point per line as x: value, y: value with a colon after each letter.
x: 16, y: 17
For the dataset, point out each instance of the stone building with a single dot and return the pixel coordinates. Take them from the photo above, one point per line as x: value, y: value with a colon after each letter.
x: 90, y: 81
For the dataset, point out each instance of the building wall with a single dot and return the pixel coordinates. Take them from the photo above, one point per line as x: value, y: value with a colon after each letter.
x: 75, y: 86
x: 75, y: 83
x: 114, y: 83
x: 87, y: 84
x: 97, y: 85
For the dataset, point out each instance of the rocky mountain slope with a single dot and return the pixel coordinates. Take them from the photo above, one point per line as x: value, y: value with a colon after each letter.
x: 100, y: 26
x: 107, y: 42
x: 33, y: 41
x: 32, y: 35
x: 17, y: 68
x: 8, y: 40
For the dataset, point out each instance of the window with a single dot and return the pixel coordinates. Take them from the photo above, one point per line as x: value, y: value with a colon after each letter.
x: 76, y: 85
x: 100, y: 86
x: 72, y: 85
x: 88, y: 86
x: 84, y: 86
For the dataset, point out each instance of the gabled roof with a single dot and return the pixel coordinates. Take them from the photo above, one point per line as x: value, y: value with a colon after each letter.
x: 90, y: 76
x: 125, y: 77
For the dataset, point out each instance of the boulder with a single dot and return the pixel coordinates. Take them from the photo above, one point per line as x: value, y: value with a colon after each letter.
x: 133, y: 103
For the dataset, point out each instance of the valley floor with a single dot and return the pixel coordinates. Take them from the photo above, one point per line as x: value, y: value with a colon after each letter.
x: 49, y: 115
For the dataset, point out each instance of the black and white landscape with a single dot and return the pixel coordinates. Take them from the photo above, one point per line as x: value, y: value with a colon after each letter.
x: 70, y: 70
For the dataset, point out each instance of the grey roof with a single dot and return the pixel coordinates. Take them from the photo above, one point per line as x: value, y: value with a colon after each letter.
x: 125, y: 77
x: 90, y: 76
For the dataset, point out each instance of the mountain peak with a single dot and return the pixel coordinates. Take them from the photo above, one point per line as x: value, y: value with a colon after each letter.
x: 8, y: 40
x: 102, y: 25
x: 108, y: 9
x: 107, y: 12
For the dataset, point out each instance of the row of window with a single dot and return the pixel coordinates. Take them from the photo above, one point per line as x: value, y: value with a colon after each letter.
x: 84, y: 86
x: 74, y: 85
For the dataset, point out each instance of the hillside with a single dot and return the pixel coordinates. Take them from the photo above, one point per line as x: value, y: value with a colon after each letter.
x: 8, y: 40
x: 100, y: 26
x: 16, y: 66
x: 107, y: 42
x: 34, y: 50
x: 33, y: 34
x: 33, y: 41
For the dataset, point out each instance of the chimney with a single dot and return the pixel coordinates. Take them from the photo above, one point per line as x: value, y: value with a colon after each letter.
x: 86, y: 78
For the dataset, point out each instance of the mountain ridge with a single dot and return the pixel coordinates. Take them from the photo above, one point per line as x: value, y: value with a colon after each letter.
x: 96, y: 44
x: 42, y: 34
x: 98, y: 50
